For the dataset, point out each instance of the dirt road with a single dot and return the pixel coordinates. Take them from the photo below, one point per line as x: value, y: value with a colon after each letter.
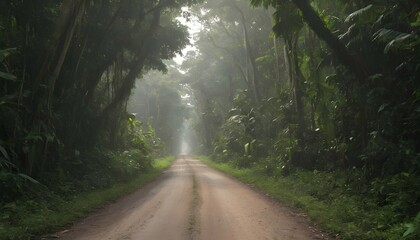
x: 193, y: 201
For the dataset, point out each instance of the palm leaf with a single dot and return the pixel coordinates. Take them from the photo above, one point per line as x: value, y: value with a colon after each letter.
x: 4, y: 53
x: 358, y: 13
x: 7, y: 76
x: 396, y: 39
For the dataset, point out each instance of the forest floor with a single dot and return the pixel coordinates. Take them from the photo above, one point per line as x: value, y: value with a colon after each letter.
x: 193, y: 201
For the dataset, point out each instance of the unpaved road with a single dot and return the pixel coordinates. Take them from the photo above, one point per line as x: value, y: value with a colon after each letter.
x: 193, y: 201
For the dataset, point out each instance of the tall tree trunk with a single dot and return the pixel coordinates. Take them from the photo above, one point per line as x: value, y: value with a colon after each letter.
x: 317, y: 25
x: 296, y: 80
x: 230, y: 90
x: 276, y: 53
x: 128, y: 80
x: 71, y: 13
x: 236, y: 61
x: 251, y: 57
x: 298, y: 91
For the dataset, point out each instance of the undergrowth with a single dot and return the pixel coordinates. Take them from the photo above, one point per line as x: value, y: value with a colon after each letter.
x: 338, y: 205
x: 47, y: 209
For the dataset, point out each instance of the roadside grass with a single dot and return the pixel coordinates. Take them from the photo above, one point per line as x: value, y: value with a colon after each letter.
x: 32, y: 218
x: 318, y: 194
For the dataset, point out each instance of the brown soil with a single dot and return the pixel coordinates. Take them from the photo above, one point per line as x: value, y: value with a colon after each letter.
x: 193, y: 201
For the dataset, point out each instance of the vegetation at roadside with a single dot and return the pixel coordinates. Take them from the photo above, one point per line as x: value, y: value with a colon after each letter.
x: 330, y: 200
x: 323, y: 96
x: 45, y: 210
x: 67, y: 70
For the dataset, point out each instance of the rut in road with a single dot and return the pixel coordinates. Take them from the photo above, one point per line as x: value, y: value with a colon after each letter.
x: 193, y: 201
x: 194, y: 228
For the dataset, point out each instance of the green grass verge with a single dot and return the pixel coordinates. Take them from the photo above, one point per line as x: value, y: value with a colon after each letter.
x: 343, y: 216
x: 34, y: 221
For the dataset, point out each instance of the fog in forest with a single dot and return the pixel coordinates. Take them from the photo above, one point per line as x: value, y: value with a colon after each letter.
x: 321, y: 98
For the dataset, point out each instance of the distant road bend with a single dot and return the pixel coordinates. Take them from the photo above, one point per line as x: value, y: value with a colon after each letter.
x: 193, y: 201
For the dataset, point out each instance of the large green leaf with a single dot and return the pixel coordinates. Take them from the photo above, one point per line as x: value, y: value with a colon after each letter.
x: 4, y: 53
x: 4, y: 152
x: 263, y: 3
x: 24, y: 176
x: 5, y: 159
x: 247, y: 148
x: 396, y: 39
x: 358, y: 13
x: 7, y: 76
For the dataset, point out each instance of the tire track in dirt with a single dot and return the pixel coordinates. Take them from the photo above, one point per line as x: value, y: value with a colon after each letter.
x: 193, y: 201
x: 194, y: 220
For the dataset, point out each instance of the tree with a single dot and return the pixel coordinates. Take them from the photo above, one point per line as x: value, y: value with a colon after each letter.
x: 74, y: 97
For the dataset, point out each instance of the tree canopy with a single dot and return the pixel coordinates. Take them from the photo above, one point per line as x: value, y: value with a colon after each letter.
x: 319, y: 85
x: 281, y: 86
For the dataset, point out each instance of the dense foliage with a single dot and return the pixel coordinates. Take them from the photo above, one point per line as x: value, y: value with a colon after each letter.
x: 335, y: 88
x: 67, y: 70
x: 294, y: 89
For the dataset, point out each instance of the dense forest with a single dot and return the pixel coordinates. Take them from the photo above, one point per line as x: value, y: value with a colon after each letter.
x: 327, y: 90
x: 331, y: 87
x: 67, y: 71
